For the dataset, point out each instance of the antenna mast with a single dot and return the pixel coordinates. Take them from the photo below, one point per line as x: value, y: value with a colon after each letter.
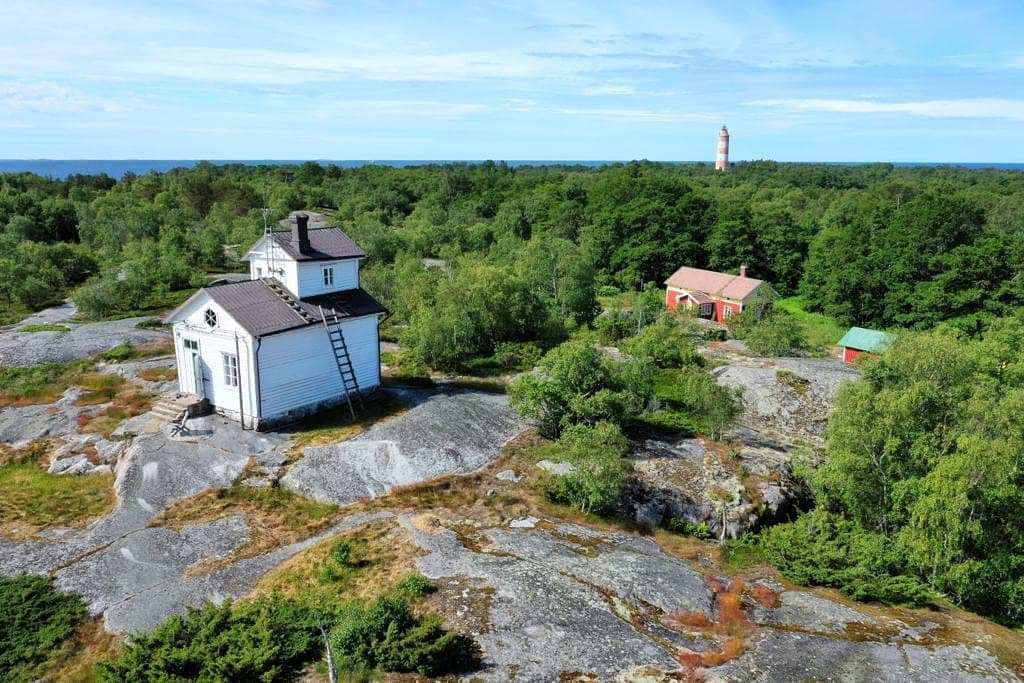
x: 268, y: 240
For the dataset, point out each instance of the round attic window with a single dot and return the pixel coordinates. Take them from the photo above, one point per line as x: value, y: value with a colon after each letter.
x: 211, y: 317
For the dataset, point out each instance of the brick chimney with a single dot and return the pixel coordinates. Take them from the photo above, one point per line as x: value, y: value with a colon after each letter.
x: 300, y: 233
x: 743, y: 270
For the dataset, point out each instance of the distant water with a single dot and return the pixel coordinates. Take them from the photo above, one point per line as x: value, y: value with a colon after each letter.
x: 116, y: 168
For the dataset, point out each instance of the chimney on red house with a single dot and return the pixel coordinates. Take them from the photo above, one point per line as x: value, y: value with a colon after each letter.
x: 743, y: 270
x: 300, y: 233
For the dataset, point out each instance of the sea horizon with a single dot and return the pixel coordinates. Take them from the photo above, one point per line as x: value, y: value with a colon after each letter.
x: 117, y: 168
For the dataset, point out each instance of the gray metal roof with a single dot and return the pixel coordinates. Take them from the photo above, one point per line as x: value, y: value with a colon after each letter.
x: 326, y: 244
x: 261, y: 311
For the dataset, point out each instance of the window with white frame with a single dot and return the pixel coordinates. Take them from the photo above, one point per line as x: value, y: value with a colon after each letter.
x: 230, y: 370
x: 727, y: 311
x: 328, y: 276
x: 190, y: 344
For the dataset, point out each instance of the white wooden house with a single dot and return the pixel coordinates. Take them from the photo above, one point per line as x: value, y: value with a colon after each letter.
x: 260, y: 351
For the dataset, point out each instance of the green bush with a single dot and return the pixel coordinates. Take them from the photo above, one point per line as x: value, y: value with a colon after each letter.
x: 597, y: 454
x: 776, y: 334
x: 824, y: 549
x: 518, y: 355
x: 668, y: 343
x: 695, y: 393
x: 35, y: 619
x: 577, y: 384
x: 265, y: 640
x: 386, y: 635
x: 681, y: 525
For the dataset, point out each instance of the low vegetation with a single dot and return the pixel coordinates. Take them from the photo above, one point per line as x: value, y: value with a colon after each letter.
x: 275, y: 517
x: 268, y: 639
x: 44, y: 327
x: 43, y: 383
x: 32, y: 499
x: 273, y: 638
x: 36, y: 620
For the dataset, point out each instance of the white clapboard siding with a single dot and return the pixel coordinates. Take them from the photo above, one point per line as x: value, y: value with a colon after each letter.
x: 311, y: 276
x: 213, y: 344
x: 259, y: 266
x: 298, y: 369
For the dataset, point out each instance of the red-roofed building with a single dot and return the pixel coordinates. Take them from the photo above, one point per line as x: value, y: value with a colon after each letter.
x: 716, y: 296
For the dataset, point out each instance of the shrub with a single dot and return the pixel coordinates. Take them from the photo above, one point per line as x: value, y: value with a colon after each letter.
x: 668, y: 343
x: 681, y: 525
x: 600, y: 469
x: 777, y: 334
x: 824, y: 549
x: 577, y: 384
x: 518, y: 355
x: 694, y: 392
x: 35, y: 618
x: 387, y: 635
x: 265, y: 640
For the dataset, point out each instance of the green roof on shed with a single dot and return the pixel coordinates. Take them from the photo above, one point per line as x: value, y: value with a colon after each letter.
x: 864, y: 339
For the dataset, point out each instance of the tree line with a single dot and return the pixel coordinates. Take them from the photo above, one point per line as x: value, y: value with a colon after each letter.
x: 872, y: 244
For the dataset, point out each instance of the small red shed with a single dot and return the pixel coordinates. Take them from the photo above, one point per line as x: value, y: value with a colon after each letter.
x: 860, y: 340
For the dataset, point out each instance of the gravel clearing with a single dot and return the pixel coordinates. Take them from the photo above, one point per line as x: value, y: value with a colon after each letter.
x: 444, y: 432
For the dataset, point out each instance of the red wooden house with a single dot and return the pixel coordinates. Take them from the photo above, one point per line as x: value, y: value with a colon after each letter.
x: 716, y: 296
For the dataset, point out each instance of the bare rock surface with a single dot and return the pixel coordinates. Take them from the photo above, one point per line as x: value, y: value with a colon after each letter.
x: 444, y: 432
x: 546, y: 616
x: 791, y: 396
x: 84, y: 339
x: 561, y: 601
x: 788, y: 656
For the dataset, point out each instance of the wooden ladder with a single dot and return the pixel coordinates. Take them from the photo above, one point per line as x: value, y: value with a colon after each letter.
x: 332, y: 323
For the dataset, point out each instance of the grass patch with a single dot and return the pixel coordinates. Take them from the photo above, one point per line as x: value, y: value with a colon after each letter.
x: 275, y: 517
x: 125, y: 352
x: 821, y: 331
x: 158, y: 374
x: 126, y: 402
x: 100, y: 387
x: 43, y: 383
x: 331, y: 426
x: 793, y: 381
x: 151, y: 324
x: 32, y: 499
x: 356, y: 564
x: 44, y: 327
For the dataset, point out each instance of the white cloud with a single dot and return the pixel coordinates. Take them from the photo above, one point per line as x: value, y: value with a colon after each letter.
x: 609, y: 90
x: 966, y: 108
x: 51, y: 97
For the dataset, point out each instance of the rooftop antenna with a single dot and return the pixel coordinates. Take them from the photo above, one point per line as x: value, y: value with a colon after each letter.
x: 268, y: 241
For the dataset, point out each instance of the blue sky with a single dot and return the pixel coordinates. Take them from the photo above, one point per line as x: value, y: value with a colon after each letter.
x: 865, y: 80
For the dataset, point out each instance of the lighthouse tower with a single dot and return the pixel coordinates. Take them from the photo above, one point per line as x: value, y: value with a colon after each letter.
x: 722, y: 158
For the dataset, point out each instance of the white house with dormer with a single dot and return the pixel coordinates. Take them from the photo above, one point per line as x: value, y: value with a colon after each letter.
x: 298, y: 336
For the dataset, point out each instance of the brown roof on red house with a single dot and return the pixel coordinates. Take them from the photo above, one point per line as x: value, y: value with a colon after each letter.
x: 716, y: 284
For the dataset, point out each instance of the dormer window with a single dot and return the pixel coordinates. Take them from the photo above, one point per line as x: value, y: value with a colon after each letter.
x: 210, y: 316
x: 328, y: 276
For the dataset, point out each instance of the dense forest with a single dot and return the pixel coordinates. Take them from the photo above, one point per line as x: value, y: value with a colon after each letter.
x: 872, y: 245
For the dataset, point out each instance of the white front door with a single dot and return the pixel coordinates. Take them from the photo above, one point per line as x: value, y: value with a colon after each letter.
x: 191, y: 368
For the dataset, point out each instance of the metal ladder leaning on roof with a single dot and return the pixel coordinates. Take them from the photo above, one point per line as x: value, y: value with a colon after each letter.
x: 332, y: 323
